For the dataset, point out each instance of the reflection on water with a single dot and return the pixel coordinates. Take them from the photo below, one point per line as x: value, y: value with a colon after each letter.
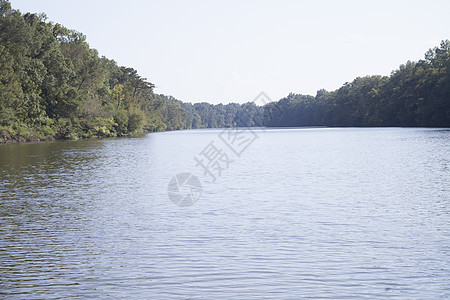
x: 327, y: 213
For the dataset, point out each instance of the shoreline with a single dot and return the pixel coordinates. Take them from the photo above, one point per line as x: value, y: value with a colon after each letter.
x: 34, y: 139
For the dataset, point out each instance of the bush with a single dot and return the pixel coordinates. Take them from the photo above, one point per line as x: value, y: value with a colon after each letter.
x: 121, y: 121
x: 105, y: 127
x: 5, y: 133
x: 69, y: 130
x: 135, y: 121
x: 22, y: 131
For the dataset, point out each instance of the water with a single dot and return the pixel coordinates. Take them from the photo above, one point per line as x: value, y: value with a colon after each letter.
x: 301, y: 213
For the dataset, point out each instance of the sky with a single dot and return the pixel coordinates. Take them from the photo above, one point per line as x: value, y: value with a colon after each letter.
x: 231, y: 50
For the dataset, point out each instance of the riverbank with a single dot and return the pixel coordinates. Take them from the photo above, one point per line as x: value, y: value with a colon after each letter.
x: 17, y: 139
x: 7, y: 139
x: 62, y: 130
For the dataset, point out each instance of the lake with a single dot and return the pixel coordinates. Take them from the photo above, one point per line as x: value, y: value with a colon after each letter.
x: 339, y: 213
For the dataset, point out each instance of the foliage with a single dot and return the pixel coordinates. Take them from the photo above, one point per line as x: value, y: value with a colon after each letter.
x: 54, y: 86
x: 417, y: 94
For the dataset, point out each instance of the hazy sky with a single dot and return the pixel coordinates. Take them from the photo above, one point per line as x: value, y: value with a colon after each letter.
x: 229, y: 51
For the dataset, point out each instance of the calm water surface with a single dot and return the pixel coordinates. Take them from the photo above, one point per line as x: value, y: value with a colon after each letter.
x: 302, y: 213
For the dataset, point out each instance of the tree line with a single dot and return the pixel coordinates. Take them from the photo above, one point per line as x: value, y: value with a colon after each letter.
x: 54, y: 86
x: 416, y: 94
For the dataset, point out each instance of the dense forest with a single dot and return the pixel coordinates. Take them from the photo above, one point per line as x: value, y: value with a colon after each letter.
x: 54, y: 86
x: 417, y: 94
